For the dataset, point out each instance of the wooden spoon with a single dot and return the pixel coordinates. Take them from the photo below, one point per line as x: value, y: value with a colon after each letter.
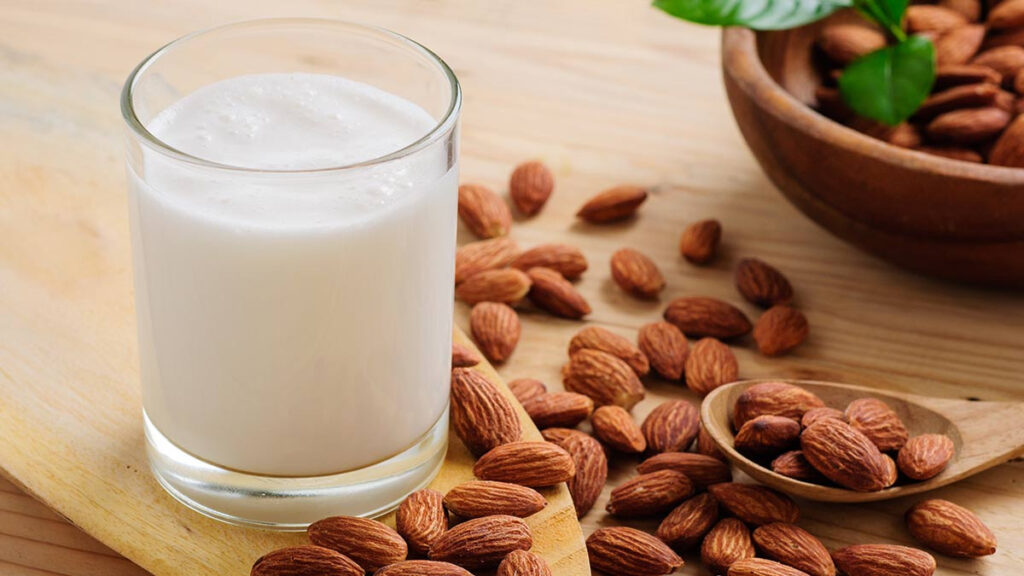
x: 984, y: 435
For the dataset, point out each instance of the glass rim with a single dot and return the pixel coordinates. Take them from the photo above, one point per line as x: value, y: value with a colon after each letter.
x: 441, y: 127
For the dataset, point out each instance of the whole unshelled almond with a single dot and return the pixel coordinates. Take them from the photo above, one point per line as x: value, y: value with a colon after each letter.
x: 604, y: 378
x: 766, y: 435
x: 612, y: 205
x: 965, y: 75
x: 699, y: 241
x: 710, y: 364
x: 591, y: 470
x: 1006, y: 60
x: 559, y: 409
x: 523, y: 563
x: 880, y: 423
x: 950, y: 529
x: 597, y: 338
x: 779, y: 330
x: 727, y: 542
x: 794, y: 546
x: 422, y: 568
x: 883, y: 560
x: 1005, y: 15
x: 483, y: 211
x: 775, y: 398
x: 755, y: 504
x: 923, y: 457
x: 508, y: 286
x: 614, y: 426
x: 482, y: 542
x: 649, y: 494
x: 762, y: 567
x: 496, y: 329
x: 971, y: 95
x: 844, y: 43
x: 970, y: 9
x: 421, y: 519
x: 700, y: 316
x: 636, y: 273
x: 552, y: 292
x: 671, y: 427
x: 706, y: 445
x: 968, y: 126
x: 305, y: 561
x: 702, y: 470
x: 370, y: 543
x: 1009, y: 147
x: 794, y: 464
x: 559, y: 435
x: 959, y: 45
x: 665, y: 347
x: 482, y: 416
x: 815, y: 414
x: 925, y: 18
x: 844, y: 455
x: 478, y: 498
x: 762, y: 284
x: 689, y: 521
x: 483, y: 255
x: 464, y: 356
x: 532, y: 464
x: 530, y: 186
x: 622, y: 551
x: 525, y: 388
x: 562, y: 258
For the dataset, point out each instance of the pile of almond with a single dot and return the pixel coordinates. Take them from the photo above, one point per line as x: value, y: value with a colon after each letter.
x: 973, y: 112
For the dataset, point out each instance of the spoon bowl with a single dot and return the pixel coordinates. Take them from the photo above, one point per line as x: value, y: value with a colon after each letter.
x: 984, y: 434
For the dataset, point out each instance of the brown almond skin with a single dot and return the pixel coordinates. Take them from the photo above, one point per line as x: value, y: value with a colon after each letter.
x: 532, y: 464
x: 883, y: 560
x: 702, y: 470
x: 699, y: 242
x: 876, y: 420
x: 613, y: 205
x: 923, y: 457
x: 559, y: 435
x: 1009, y: 148
x: 727, y: 543
x: 892, y: 472
x: 671, y: 427
x: 421, y: 519
x: 689, y: 522
x: 622, y: 551
x: 508, y: 286
x: 779, y: 330
x: 844, y: 455
x: 597, y: 338
x: 482, y: 542
x: 706, y: 445
x: 559, y: 409
x: 463, y: 356
x: 762, y: 567
x: 496, y: 329
x: 794, y: 464
x: 523, y: 563
x: 959, y: 45
x: 755, y: 504
x: 482, y: 416
x: 767, y: 434
x: 483, y: 211
x: 525, y: 388
x: 665, y: 347
x: 794, y: 546
x: 925, y: 18
x: 968, y: 125
x: 370, y: 543
x: 699, y: 316
x: 530, y: 186
x: 710, y: 364
x: 844, y: 43
x: 1008, y: 14
x: 604, y: 378
x: 649, y: 494
x: 479, y: 498
x: 614, y: 426
x: 422, y: 568
x: 550, y: 291
x: 762, y: 284
x: 591, y: 464
x: 970, y: 9
x: 483, y: 255
x: 980, y: 94
x: 567, y: 260
x: 964, y: 75
x: 636, y: 273
x: 775, y: 398
x: 815, y: 414
x: 305, y: 561
x: 950, y: 529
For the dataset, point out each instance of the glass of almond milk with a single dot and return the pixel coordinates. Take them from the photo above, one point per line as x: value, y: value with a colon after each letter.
x: 292, y: 192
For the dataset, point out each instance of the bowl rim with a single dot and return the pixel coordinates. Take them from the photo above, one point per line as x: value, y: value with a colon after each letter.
x: 742, y: 61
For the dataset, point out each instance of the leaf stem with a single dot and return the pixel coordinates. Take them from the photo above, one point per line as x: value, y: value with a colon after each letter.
x: 871, y: 10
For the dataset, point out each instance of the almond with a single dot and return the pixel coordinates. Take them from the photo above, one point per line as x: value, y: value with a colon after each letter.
x: 762, y: 567
x: 1008, y: 14
x: 762, y: 284
x: 964, y: 75
x: 794, y: 464
x: 700, y: 316
x: 421, y: 519
x: 482, y: 416
x: 525, y: 388
x: 530, y: 464
x: 649, y: 494
x: 1009, y: 148
x: 478, y: 498
x: 604, y: 378
x: 794, y: 546
x: 305, y: 561
x: 422, y: 568
x: 925, y: 18
x: 959, y: 45
x: 950, y: 529
x: 483, y: 211
x: 559, y: 435
x: 665, y: 347
x: 779, y: 330
x: 370, y: 543
x: 767, y: 435
x: 903, y: 134
x: 560, y: 409
x: 1011, y: 37
x: 636, y: 273
x: 1006, y: 60
x: 530, y: 186
x: 597, y: 338
x: 923, y: 457
x: 968, y: 96
x: 702, y: 470
x: 755, y: 504
x: 883, y: 560
x: 710, y: 364
x: 706, y: 445
x: 953, y: 153
x: 508, y: 286
x: 591, y: 470
x: 483, y: 255
x: 552, y: 292
x: 622, y: 551
x: 463, y: 356
x: 968, y: 126
x: 815, y: 414
x: 726, y: 543
x: 616, y: 428
x: 496, y: 329
x: 689, y: 521
x: 482, y: 542
x: 612, y: 205
x: 844, y: 455
x: 774, y: 398
x: 844, y: 43
x: 970, y: 9
x: 699, y: 241
x: 671, y: 427
x: 562, y: 258
x: 878, y: 422
x: 523, y: 563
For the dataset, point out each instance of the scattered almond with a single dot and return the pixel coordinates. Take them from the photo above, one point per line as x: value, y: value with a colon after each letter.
x: 508, y: 286
x: 701, y: 316
x: 727, y: 542
x: 597, y: 338
x: 762, y: 567
x: 689, y: 521
x: 950, y: 529
x: 636, y: 273
x: 883, y: 560
x: 482, y: 416
x: 762, y: 284
x: 463, y: 356
x: 702, y: 470
x: 844, y: 455
x: 775, y: 398
x: 552, y: 292
x: 779, y: 330
x: 649, y: 494
x: 710, y: 364
x: 421, y: 519
x: 532, y: 464
x: 562, y: 258
x: 496, y: 329
x: 671, y: 426
x: 794, y: 546
x: 925, y: 456
x: 523, y: 563
x: 614, y: 426
x: 591, y: 470
x: 612, y: 205
x: 604, y: 378
x: 530, y: 186
x: 525, y: 388
x: 755, y: 504
x: 478, y: 498
x: 665, y: 347
x: 422, y: 568
x: 706, y: 445
x: 878, y: 422
x: 699, y: 241
x: 622, y: 551
x: 482, y: 542
x: 483, y: 211
x: 559, y: 409
x: 370, y: 543
x: 766, y: 435
x: 305, y: 561
x: 483, y: 255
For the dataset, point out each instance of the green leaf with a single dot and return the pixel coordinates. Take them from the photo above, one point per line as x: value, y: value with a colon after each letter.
x: 890, y: 83
x: 893, y: 10
x: 756, y: 14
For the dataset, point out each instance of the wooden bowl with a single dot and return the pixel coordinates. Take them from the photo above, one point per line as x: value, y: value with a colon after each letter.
x: 941, y: 217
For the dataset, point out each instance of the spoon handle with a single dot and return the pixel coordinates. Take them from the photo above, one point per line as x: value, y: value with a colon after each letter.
x: 991, y: 432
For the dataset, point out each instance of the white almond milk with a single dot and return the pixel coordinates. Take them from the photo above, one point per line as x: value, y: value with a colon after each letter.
x: 294, y: 325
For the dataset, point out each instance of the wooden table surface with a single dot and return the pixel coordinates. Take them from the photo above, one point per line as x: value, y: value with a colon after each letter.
x: 605, y: 92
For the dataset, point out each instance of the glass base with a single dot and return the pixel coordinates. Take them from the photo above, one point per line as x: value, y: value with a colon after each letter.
x: 288, y: 503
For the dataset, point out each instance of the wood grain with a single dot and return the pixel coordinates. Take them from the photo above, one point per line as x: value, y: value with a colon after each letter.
x: 605, y: 93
